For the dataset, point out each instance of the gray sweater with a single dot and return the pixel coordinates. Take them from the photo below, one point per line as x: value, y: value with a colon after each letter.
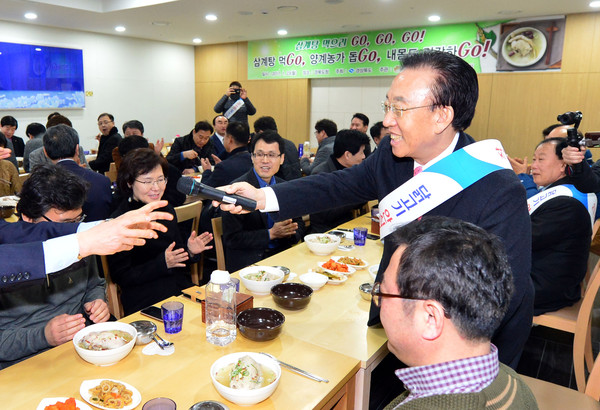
x: 24, y: 312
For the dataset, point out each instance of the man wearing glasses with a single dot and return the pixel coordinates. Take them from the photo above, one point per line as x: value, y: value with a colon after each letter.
x: 47, y: 314
x: 61, y: 145
x: 437, y: 327
x: 428, y: 106
x: 255, y: 236
x: 109, y: 138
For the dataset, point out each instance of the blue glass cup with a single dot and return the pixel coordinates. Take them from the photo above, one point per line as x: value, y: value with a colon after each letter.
x: 172, y: 314
x: 360, y: 236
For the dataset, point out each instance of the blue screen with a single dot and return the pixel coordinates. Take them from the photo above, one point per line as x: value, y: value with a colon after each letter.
x: 40, y: 77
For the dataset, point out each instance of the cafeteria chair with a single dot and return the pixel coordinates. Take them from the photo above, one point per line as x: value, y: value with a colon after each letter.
x: 217, y: 225
x: 576, y: 319
x: 113, y: 293
x: 24, y: 177
x: 188, y: 212
x: 112, y: 172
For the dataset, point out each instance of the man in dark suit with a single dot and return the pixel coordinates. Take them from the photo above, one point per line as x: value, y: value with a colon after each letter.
x: 238, y: 160
x: 429, y: 105
x: 561, y: 229
x: 61, y: 145
x: 290, y: 169
x: 187, y: 152
x: 348, y: 150
x: 251, y: 237
x: 220, y: 123
x: 9, y: 125
x: 108, y: 138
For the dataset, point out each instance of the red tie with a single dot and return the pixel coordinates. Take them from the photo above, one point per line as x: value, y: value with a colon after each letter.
x: 417, y: 170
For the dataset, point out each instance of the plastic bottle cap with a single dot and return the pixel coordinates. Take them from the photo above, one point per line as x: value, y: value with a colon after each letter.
x: 219, y: 277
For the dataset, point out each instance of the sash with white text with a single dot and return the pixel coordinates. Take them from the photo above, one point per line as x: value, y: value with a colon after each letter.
x: 568, y: 190
x: 440, y: 182
x: 234, y: 108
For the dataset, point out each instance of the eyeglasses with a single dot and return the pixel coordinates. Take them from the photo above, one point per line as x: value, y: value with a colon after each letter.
x: 262, y: 155
x: 77, y: 219
x: 377, y: 295
x: 101, y: 123
x: 397, y: 111
x: 160, y: 182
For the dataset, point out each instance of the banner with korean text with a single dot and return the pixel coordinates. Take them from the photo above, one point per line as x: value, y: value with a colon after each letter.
x: 517, y: 45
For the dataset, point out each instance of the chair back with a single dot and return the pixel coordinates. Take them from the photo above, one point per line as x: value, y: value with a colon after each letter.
x: 113, y: 293
x: 217, y: 225
x: 185, y: 213
x: 112, y: 172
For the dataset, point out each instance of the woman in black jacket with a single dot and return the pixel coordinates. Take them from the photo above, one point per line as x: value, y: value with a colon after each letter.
x: 150, y: 273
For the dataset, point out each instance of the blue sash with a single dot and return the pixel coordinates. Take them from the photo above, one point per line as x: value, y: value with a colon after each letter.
x: 568, y: 190
x: 440, y: 182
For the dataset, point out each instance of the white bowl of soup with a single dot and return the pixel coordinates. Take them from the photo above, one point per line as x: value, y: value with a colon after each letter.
x: 322, y: 243
x: 245, y: 378
x: 260, y: 279
x: 104, y: 344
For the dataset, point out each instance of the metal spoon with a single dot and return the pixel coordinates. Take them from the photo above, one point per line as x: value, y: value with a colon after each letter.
x: 162, y: 343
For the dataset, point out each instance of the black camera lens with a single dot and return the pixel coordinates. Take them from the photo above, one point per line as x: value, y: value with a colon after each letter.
x: 570, y: 117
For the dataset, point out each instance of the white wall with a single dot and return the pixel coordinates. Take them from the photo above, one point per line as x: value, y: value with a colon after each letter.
x: 130, y: 78
x: 339, y: 98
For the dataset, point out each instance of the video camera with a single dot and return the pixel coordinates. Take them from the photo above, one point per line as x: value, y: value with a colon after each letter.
x: 574, y: 137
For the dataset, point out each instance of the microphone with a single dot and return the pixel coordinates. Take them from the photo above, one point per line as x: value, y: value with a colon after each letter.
x: 190, y: 186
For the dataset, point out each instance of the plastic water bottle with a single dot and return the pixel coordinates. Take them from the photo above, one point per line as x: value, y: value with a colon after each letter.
x: 307, y: 147
x: 220, y: 309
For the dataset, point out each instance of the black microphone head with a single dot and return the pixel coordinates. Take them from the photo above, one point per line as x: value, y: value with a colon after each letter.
x: 185, y: 185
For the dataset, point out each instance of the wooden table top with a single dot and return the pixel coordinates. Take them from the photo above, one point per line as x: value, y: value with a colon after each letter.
x: 336, y: 317
x: 183, y: 376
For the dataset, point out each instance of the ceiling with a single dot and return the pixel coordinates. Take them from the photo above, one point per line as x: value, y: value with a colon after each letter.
x: 179, y: 21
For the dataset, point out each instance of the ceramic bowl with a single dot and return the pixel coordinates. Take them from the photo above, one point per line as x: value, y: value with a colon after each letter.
x: 315, y: 280
x: 292, y: 296
x: 322, y: 243
x: 260, y: 324
x: 245, y: 397
x: 260, y: 287
x: 105, y: 357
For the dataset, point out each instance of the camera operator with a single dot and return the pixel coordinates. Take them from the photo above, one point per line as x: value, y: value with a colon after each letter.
x: 235, y: 104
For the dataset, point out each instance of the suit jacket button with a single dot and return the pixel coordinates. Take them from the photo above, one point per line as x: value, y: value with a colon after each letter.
x: 26, y: 275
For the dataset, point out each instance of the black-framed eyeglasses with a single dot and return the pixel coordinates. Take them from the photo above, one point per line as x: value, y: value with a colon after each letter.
x: 377, y: 295
x: 77, y: 219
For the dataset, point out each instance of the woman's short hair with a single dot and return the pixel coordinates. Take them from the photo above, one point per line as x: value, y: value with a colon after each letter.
x: 138, y: 162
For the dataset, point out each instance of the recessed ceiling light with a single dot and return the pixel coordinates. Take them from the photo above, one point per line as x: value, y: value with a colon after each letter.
x: 120, y: 29
x: 282, y: 32
x: 595, y: 4
x: 197, y: 40
x: 433, y: 18
x: 161, y: 23
x: 30, y: 16
x: 211, y: 17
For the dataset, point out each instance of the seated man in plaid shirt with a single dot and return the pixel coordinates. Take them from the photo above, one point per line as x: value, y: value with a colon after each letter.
x: 444, y: 293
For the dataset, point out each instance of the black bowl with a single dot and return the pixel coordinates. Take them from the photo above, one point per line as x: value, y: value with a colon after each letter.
x: 260, y: 324
x: 293, y: 296
x: 6, y: 211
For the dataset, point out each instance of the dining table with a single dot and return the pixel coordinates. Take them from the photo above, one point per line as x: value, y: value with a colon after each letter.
x: 183, y: 376
x: 336, y: 317
x: 329, y: 338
